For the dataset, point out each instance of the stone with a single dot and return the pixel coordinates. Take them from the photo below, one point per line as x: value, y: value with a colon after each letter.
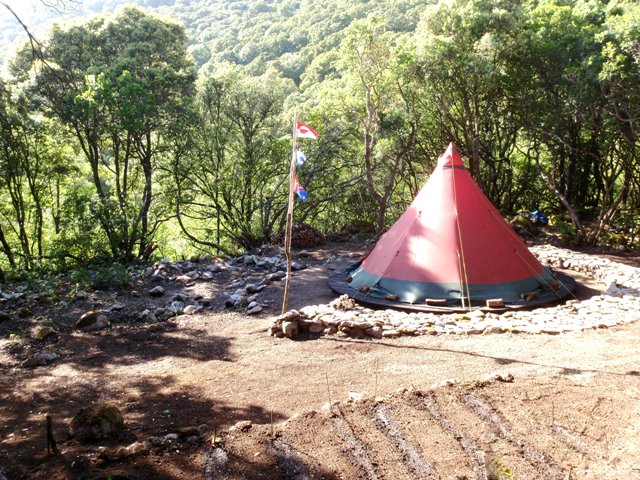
x: 91, y: 320
x: 134, y: 449
x: 343, y: 303
x: 184, y: 279
x: 117, y: 307
x: 190, y: 309
x: 330, y: 330
x: 290, y: 329
x: 177, y: 306
x: 316, y: 327
x: 81, y: 295
x: 357, y: 332
x: 40, y: 358
x: 391, y: 334
x: 289, y: 316
x: 181, y: 296
x: 277, y: 276
x: 251, y: 288
x: 97, y: 422
x: 375, y: 332
x: 234, y: 301
x: 156, y: 291
x: 254, y: 310
x: 493, y: 329
x: 241, y: 426
x: 44, y: 332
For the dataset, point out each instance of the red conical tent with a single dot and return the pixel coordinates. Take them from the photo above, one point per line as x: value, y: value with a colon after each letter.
x: 451, y: 243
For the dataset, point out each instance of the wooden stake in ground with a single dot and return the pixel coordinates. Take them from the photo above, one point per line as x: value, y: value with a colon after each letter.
x: 51, y: 441
x: 289, y: 229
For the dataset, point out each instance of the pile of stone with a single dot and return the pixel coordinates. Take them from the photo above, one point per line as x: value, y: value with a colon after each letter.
x: 257, y: 272
x: 618, y: 304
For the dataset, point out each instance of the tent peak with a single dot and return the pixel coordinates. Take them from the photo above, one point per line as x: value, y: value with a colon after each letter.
x: 450, y: 158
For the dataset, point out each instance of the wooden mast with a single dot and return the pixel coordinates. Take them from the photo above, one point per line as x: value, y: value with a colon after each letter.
x: 289, y: 229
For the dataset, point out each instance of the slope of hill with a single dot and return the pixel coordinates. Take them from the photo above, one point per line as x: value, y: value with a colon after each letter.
x: 285, y: 34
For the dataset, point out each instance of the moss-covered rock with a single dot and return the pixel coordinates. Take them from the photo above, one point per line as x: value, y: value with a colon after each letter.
x: 98, y: 422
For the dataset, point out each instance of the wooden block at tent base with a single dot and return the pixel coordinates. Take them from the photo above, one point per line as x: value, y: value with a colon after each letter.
x: 392, y: 297
x: 529, y: 296
x: 495, y: 303
x: 436, y: 302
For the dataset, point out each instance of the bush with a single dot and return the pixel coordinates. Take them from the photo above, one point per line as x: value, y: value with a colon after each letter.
x: 103, y: 277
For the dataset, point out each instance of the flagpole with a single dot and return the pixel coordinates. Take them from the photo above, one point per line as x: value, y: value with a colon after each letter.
x: 289, y: 229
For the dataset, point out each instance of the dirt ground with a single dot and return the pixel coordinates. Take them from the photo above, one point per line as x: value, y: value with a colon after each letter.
x: 413, y: 407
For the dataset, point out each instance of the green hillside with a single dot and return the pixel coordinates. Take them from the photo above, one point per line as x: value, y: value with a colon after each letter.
x: 163, y: 129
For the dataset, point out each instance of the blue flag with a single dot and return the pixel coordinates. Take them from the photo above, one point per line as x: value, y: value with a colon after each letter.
x: 300, y: 191
x: 300, y: 158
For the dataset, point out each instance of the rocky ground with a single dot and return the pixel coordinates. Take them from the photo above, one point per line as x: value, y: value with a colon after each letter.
x: 202, y: 391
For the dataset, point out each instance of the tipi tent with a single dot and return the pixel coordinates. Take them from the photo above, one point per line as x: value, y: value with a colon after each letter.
x: 451, y: 245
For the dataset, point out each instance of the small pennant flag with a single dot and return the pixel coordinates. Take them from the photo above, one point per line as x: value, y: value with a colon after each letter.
x: 299, y: 189
x: 300, y: 158
x: 305, y: 131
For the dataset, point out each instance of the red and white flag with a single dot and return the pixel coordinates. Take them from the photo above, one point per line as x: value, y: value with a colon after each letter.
x: 305, y: 131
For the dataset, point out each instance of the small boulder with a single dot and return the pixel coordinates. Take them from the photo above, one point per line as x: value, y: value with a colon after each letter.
x: 98, y: 422
x: 177, y: 306
x: 40, y: 358
x: 289, y: 316
x: 277, y: 276
x: 91, y: 320
x: 43, y: 332
x: 184, y: 279
x: 156, y: 291
x: 290, y: 329
x: 190, y: 309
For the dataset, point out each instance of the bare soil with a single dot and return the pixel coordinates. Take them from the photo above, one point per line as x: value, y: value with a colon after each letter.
x: 413, y: 407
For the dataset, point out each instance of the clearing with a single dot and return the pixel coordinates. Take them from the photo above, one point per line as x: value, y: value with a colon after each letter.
x: 452, y: 407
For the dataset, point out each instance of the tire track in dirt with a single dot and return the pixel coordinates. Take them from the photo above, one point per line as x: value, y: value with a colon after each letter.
x: 411, y: 454
x: 473, y: 451
x: 542, y: 462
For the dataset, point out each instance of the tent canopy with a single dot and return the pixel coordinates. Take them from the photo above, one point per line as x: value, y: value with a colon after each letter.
x: 450, y: 244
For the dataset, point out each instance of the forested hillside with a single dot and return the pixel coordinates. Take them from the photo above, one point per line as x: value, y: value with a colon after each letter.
x: 165, y: 129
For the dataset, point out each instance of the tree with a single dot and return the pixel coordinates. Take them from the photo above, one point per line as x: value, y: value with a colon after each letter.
x: 237, y: 171
x: 382, y: 100
x: 119, y: 85
x: 465, y: 52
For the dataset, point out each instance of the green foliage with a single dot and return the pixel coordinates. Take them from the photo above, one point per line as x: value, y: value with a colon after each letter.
x: 111, y: 151
x: 101, y: 277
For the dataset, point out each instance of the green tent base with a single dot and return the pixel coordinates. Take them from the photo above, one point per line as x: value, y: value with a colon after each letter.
x: 338, y: 283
